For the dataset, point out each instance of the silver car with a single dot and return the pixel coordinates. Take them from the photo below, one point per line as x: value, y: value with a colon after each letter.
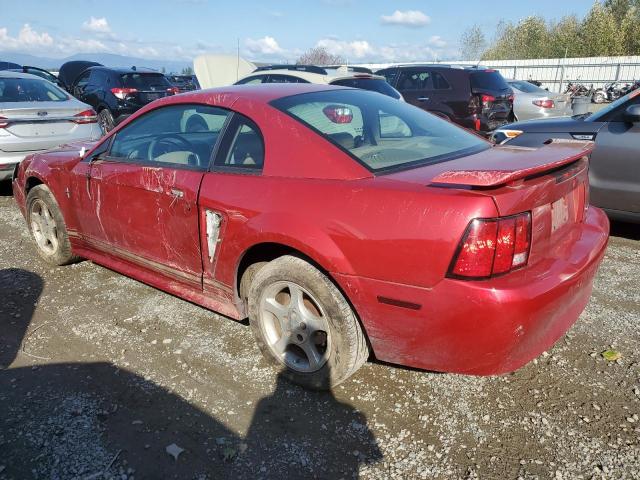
x: 37, y: 115
x: 532, y: 102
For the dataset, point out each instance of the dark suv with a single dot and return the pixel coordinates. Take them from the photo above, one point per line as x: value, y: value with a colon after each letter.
x: 116, y: 93
x: 474, y: 97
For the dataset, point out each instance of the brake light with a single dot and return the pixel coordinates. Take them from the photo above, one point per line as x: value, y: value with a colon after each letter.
x: 88, y: 116
x: 544, y: 103
x: 123, y: 93
x: 4, y: 122
x: 338, y: 113
x: 493, y: 246
x: 511, y: 98
x: 173, y: 90
x: 486, y: 99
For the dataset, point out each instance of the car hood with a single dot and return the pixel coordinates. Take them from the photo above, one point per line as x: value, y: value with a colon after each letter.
x: 556, y: 125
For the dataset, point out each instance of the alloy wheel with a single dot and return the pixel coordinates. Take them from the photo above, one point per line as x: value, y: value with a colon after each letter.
x: 44, y: 228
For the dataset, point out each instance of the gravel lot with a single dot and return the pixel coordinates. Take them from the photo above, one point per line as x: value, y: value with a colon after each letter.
x: 104, y: 377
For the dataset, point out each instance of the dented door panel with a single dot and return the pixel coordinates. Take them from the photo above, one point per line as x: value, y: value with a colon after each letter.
x: 148, y: 215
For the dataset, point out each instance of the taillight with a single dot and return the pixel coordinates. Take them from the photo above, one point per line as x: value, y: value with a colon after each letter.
x: 493, y: 246
x: 173, y: 90
x: 338, y: 113
x: 511, y: 98
x: 122, y: 93
x: 544, y: 103
x: 4, y: 122
x: 88, y: 116
x: 487, y: 99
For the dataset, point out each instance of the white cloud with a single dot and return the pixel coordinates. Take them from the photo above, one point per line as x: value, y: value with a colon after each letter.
x: 437, y: 41
x: 364, y: 51
x: 27, y: 39
x: 408, y: 18
x: 96, y: 25
x: 264, y: 46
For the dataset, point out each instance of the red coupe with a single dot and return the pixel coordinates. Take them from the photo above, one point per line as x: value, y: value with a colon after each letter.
x: 340, y: 221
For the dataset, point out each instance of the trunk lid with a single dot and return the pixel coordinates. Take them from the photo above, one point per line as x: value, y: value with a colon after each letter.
x: 551, y: 182
x: 38, y: 125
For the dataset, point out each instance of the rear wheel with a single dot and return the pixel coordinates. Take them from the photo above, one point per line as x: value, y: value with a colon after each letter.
x: 303, y: 323
x: 47, y: 227
x: 105, y: 120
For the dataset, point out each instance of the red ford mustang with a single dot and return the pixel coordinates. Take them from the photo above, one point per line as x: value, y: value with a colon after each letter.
x: 339, y: 221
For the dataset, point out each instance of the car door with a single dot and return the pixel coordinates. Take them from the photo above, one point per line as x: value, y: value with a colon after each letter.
x: 415, y: 85
x: 614, y: 171
x: 144, y: 190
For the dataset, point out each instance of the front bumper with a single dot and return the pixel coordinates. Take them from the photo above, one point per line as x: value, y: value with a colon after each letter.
x: 483, y: 327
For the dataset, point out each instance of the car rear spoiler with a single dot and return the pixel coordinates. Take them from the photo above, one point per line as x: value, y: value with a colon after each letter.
x: 507, y: 164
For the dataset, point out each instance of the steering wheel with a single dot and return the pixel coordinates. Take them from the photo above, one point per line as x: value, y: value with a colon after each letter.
x: 169, y: 140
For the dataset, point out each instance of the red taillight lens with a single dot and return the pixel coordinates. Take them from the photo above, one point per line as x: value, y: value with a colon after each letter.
x: 173, y: 90
x: 486, y: 99
x: 338, y: 113
x: 493, y: 246
x: 4, y: 122
x: 88, y: 116
x: 122, y: 93
x: 511, y: 98
x: 544, y: 103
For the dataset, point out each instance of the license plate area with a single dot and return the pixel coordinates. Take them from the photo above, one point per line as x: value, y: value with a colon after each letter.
x: 568, y: 209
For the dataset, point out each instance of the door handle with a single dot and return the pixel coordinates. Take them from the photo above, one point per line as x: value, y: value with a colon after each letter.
x: 174, y: 192
x: 423, y: 99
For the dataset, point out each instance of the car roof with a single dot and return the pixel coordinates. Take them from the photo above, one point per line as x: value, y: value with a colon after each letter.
x: 122, y: 70
x: 332, y: 74
x: 12, y: 74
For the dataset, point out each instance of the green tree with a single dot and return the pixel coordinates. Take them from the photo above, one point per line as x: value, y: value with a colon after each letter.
x: 187, y: 71
x: 599, y: 32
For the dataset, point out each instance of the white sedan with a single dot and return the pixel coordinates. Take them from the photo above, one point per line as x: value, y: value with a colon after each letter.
x: 36, y: 115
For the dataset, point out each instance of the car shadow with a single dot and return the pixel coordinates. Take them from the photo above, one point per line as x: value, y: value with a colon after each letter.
x: 630, y: 231
x: 5, y: 189
x: 97, y: 420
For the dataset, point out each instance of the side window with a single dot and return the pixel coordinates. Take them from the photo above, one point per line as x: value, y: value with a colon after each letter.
x: 439, y: 82
x: 415, y: 80
x: 244, y: 146
x: 390, y: 75
x: 83, y: 80
x: 177, y: 135
x: 251, y: 80
x: 285, y: 79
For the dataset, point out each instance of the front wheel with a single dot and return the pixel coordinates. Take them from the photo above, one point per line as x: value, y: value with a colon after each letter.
x: 303, y: 323
x: 47, y: 227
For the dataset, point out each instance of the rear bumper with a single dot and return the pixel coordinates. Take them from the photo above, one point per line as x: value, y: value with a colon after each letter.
x: 8, y: 161
x: 483, y: 327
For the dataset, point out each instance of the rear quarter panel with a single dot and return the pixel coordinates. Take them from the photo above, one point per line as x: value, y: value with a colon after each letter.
x: 374, y: 228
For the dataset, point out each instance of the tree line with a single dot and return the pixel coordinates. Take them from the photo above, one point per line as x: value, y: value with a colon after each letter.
x: 610, y: 28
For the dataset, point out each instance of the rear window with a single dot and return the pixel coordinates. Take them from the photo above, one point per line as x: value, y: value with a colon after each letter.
x: 488, y: 80
x: 378, y: 131
x: 527, y: 87
x: 372, y: 84
x: 30, y: 90
x: 145, y: 81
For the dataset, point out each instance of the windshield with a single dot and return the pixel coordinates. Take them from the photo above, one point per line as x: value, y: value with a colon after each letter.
x: 488, y: 80
x: 145, y: 81
x: 30, y: 90
x: 374, y: 84
x: 601, y: 114
x: 527, y: 87
x: 379, y: 132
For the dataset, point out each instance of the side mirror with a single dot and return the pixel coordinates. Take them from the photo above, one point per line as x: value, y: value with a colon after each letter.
x: 99, y: 150
x: 632, y: 114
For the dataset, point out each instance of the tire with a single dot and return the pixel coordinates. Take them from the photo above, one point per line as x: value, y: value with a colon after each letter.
x: 338, y: 351
x: 598, y: 97
x: 47, y: 227
x: 247, y: 279
x: 105, y: 120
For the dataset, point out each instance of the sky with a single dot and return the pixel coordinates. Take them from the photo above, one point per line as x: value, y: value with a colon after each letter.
x: 277, y: 30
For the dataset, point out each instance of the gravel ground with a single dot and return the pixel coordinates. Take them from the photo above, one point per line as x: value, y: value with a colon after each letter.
x: 104, y: 377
